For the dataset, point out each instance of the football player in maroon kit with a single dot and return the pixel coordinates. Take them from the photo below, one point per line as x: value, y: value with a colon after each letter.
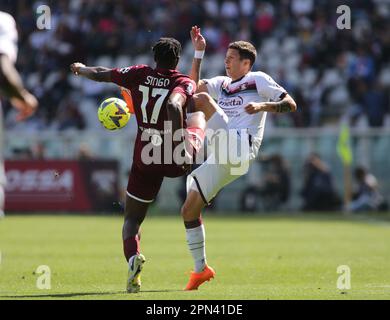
x: 161, y: 96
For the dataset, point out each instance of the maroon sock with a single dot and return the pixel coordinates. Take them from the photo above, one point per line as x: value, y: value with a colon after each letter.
x: 131, y: 247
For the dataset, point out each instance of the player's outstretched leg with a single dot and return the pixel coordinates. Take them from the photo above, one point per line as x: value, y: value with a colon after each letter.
x: 195, y: 234
x: 135, y: 213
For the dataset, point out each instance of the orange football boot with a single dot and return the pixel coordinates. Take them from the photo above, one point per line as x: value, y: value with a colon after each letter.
x: 196, y: 279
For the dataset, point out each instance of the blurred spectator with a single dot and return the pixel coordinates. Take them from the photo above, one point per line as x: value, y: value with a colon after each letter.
x: 375, y: 104
x: 85, y: 152
x: 276, y: 181
x: 362, y: 66
x: 69, y: 116
x: 212, y: 33
x: 264, y: 20
x: 274, y: 189
x: 229, y: 9
x: 247, y: 7
x: 367, y: 196
x: 318, y: 191
x: 38, y: 151
x: 302, y: 7
x: 370, y: 100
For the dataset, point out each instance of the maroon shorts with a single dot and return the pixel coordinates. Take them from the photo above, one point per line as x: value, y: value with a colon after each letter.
x: 145, y: 181
x: 144, y: 184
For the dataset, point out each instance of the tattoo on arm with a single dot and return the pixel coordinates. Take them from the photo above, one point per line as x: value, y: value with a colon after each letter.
x: 283, y: 106
x: 287, y: 104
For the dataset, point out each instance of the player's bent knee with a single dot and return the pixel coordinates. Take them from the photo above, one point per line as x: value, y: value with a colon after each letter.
x: 204, y: 102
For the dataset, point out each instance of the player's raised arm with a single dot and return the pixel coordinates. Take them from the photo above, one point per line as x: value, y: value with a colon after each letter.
x: 100, y: 74
x: 199, y: 43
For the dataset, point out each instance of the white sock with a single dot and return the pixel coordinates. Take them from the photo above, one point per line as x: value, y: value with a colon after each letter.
x: 196, y: 243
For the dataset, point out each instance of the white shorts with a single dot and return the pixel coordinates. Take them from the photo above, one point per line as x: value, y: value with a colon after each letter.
x: 214, y: 174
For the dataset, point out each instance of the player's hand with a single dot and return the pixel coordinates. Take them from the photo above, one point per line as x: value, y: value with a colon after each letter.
x: 254, y: 107
x: 26, y: 107
x: 198, y: 41
x: 75, y: 67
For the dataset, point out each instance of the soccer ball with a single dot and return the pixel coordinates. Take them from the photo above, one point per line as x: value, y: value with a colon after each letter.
x: 113, y: 113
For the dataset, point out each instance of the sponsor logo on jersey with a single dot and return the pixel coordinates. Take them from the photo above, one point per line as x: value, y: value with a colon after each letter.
x: 231, y: 102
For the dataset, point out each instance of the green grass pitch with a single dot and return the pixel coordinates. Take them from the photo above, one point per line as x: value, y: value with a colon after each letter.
x: 263, y: 257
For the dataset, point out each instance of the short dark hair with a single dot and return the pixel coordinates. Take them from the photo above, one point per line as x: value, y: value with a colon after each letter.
x: 245, y: 49
x: 167, y: 52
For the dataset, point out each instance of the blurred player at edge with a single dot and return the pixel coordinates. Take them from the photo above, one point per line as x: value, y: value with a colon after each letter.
x: 255, y: 91
x: 157, y: 94
x: 11, y: 85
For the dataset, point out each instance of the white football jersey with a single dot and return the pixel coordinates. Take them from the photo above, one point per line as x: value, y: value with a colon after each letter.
x: 8, y: 36
x: 234, y: 96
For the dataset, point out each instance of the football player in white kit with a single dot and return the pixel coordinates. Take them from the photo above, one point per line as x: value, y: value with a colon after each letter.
x: 11, y: 85
x: 244, y: 97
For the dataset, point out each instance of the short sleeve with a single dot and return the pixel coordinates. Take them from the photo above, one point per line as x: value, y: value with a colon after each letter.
x: 186, y: 87
x: 125, y: 77
x: 8, y: 36
x: 214, y: 86
x: 268, y: 88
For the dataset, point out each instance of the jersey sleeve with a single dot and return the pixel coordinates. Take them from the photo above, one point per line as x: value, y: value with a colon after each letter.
x: 214, y: 86
x: 268, y: 88
x: 8, y: 36
x: 186, y: 87
x: 126, y: 77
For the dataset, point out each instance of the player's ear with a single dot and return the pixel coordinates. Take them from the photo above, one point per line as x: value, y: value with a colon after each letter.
x: 248, y: 63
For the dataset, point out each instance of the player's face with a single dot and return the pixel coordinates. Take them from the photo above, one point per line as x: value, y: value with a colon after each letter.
x: 235, y: 67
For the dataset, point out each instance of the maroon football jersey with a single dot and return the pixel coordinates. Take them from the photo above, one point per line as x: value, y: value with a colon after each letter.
x: 150, y: 89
